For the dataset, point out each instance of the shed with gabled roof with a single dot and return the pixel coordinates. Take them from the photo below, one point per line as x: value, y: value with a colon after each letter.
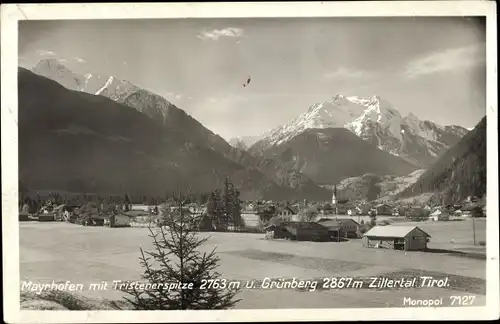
x: 408, y: 238
x: 306, y: 231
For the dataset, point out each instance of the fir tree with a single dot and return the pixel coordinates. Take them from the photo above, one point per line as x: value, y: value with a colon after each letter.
x: 228, y: 198
x: 232, y: 205
x: 236, y: 214
x: 175, y: 258
x: 128, y: 203
x: 373, y: 220
x: 215, y: 209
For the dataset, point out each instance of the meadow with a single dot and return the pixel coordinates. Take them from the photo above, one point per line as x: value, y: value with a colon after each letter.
x: 62, y: 251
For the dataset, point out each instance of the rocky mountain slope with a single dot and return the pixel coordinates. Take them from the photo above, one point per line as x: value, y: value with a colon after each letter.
x: 372, y: 187
x: 168, y: 115
x: 245, y: 142
x: 327, y: 156
x: 74, y: 141
x: 458, y: 173
x: 375, y: 121
x: 108, y: 86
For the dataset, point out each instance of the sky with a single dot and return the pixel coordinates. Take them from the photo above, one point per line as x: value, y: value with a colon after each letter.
x: 433, y: 67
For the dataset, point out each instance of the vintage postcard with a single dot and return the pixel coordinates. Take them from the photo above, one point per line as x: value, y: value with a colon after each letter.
x: 249, y: 161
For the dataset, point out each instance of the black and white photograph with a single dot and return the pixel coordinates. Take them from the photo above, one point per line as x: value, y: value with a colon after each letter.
x: 271, y: 162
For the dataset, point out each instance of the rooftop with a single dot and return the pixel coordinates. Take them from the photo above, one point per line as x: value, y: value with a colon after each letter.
x: 392, y: 231
x: 303, y: 225
x: 330, y: 223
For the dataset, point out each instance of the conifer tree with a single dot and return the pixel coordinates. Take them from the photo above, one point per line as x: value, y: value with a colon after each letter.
x: 176, y: 259
x: 128, y: 203
x: 228, y: 198
x: 215, y: 209
x: 238, y: 220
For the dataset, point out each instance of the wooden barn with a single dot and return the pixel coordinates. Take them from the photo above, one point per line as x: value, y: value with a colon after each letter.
x: 97, y: 220
x: 49, y: 217
x: 417, y: 214
x: 276, y: 225
x: 383, y: 210
x: 408, y: 238
x: 119, y: 220
x: 307, y: 231
x: 342, y: 227
x: 333, y: 226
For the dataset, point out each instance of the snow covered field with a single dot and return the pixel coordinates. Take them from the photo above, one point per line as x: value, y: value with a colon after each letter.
x: 85, y: 255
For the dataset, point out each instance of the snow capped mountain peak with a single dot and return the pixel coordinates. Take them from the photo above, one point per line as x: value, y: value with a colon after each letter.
x: 108, y: 86
x: 378, y: 112
x: 335, y: 113
x: 375, y: 120
x: 358, y: 100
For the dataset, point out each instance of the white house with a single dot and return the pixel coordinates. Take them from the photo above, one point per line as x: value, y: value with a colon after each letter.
x: 285, y: 213
x: 354, y: 211
x: 439, y: 215
x: 140, y: 207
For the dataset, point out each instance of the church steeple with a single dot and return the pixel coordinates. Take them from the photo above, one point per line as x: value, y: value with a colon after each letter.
x: 334, y: 195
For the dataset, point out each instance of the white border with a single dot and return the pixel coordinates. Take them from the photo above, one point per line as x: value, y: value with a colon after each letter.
x: 11, y: 13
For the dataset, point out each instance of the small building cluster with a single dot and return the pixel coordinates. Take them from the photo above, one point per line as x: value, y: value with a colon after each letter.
x: 321, y: 230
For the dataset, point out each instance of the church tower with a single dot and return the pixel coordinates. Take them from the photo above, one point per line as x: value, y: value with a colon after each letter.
x: 334, y: 200
x: 334, y: 196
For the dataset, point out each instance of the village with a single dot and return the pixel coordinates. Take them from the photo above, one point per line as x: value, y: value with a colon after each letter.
x: 379, y: 225
x: 302, y: 239
x: 262, y: 238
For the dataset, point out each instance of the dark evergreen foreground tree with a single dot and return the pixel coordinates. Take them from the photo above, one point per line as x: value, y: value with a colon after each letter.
x: 175, y: 258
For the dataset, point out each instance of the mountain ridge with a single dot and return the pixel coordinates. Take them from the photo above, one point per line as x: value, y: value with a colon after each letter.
x: 329, y: 155
x: 374, y: 120
x: 458, y: 173
x: 164, y: 113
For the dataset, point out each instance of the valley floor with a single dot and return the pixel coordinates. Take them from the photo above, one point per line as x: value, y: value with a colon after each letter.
x: 61, y: 251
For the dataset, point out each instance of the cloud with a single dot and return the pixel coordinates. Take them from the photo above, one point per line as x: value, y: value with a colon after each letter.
x: 216, y: 33
x: 63, y: 60
x: 45, y: 53
x: 448, y: 60
x: 345, y: 73
x: 79, y: 59
x: 172, y: 95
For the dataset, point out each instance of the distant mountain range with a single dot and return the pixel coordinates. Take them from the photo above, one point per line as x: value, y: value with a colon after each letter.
x: 90, y: 133
x: 329, y: 155
x: 459, y: 173
x: 181, y: 146
x: 375, y: 121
